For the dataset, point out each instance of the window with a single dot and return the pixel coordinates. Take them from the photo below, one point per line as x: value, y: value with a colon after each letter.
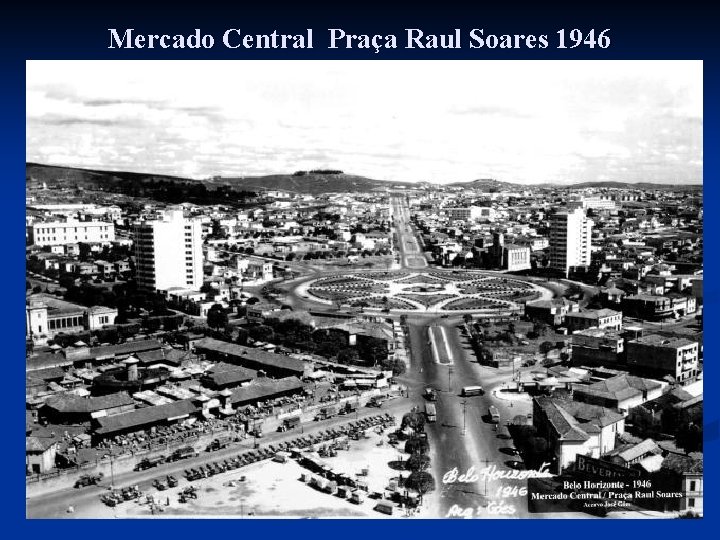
x: 691, y: 502
x: 692, y: 485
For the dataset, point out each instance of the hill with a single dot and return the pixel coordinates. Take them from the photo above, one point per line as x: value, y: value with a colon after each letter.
x: 312, y: 182
x: 309, y: 182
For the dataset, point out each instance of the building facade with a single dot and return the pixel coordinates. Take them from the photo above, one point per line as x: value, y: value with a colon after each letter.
x: 604, y: 319
x: 660, y: 356
x: 169, y: 252
x: 58, y: 233
x: 570, y: 245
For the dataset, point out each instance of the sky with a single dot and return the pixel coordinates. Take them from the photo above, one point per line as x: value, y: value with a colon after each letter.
x: 451, y: 121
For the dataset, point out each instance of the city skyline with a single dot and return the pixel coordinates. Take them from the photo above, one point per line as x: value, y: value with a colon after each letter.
x: 534, y: 122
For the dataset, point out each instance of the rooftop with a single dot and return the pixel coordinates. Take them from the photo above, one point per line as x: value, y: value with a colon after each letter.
x: 669, y: 342
x: 265, y: 388
x: 619, y: 387
x: 72, y: 404
x: 595, y: 313
x: 145, y: 416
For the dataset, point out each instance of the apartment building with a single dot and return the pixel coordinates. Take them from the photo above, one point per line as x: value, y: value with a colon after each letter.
x: 168, y: 251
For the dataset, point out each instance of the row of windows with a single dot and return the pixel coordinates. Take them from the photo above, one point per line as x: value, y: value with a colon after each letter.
x: 66, y: 322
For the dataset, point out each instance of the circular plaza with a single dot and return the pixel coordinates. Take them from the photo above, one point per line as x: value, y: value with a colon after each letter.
x: 442, y: 292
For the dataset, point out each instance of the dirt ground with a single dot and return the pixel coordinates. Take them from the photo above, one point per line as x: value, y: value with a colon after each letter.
x: 274, y: 490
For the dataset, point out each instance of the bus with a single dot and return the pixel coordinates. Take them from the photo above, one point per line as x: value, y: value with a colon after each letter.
x: 468, y: 391
x: 430, y: 412
x: 494, y: 414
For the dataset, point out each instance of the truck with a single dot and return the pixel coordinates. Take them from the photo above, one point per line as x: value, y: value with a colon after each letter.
x: 325, y: 413
x: 430, y: 394
x: 289, y: 423
x: 88, y: 480
x: 149, y: 463
x: 219, y: 443
x: 349, y: 408
x: 182, y: 453
x: 430, y: 412
x: 494, y: 414
x: 375, y: 401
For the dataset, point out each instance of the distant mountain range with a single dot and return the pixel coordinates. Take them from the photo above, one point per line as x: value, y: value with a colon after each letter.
x: 307, y: 182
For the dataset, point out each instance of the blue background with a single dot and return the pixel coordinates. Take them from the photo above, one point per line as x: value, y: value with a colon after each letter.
x: 682, y: 30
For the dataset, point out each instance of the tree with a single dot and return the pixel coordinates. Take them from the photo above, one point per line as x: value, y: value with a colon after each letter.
x: 217, y: 317
x: 414, y: 420
x: 420, y: 481
x: 261, y: 332
x: 574, y: 290
x: 348, y: 356
x: 66, y: 281
x: 546, y: 347
x: 416, y: 445
x: 396, y: 365
x: 418, y: 462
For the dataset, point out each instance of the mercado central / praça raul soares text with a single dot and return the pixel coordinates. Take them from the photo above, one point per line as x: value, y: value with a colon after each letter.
x: 337, y: 38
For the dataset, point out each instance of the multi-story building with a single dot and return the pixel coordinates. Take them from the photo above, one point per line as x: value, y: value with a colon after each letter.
x: 596, y: 202
x: 594, y: 318
x: 659, y: 356
x: 508, y: 256
x: 570, y: 246
x: 168, y: 252
x: 552, y: 311
x: 647, y: 306
x: 57, y: 233
x: 596, y: 347
x: 471, y: 213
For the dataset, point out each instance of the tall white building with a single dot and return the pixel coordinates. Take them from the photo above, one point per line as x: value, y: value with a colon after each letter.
x: 570, y: 246
x: 169, y: 252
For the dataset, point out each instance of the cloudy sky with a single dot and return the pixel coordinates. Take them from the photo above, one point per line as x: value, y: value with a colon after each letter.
x: 515, y: 121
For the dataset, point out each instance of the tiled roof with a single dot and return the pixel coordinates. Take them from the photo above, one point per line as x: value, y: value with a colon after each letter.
x: 619, y: 387
x: 254, y: 355
x: 145, y: 416
x: 261, y: 389
x: 72, y: 404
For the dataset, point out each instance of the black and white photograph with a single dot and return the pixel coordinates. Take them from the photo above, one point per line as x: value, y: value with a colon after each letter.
x: 364, y: 289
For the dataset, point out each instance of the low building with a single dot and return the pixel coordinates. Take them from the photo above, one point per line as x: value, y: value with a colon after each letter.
x: 661, y: 356
x: 72, y: 409
x: 552, y: 312
x: 225, y: 375
x: 271, y: 364
x: 47, y: 316
x: 40, y: 453
x: 144, y: 418
x: 594, y: 318
x: 621, y: 392
x: 572, y: 428
x: 636, y: 454
x: 264, y: 389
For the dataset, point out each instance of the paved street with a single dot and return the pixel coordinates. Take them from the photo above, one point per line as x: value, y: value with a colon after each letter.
x: 411, y: 255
